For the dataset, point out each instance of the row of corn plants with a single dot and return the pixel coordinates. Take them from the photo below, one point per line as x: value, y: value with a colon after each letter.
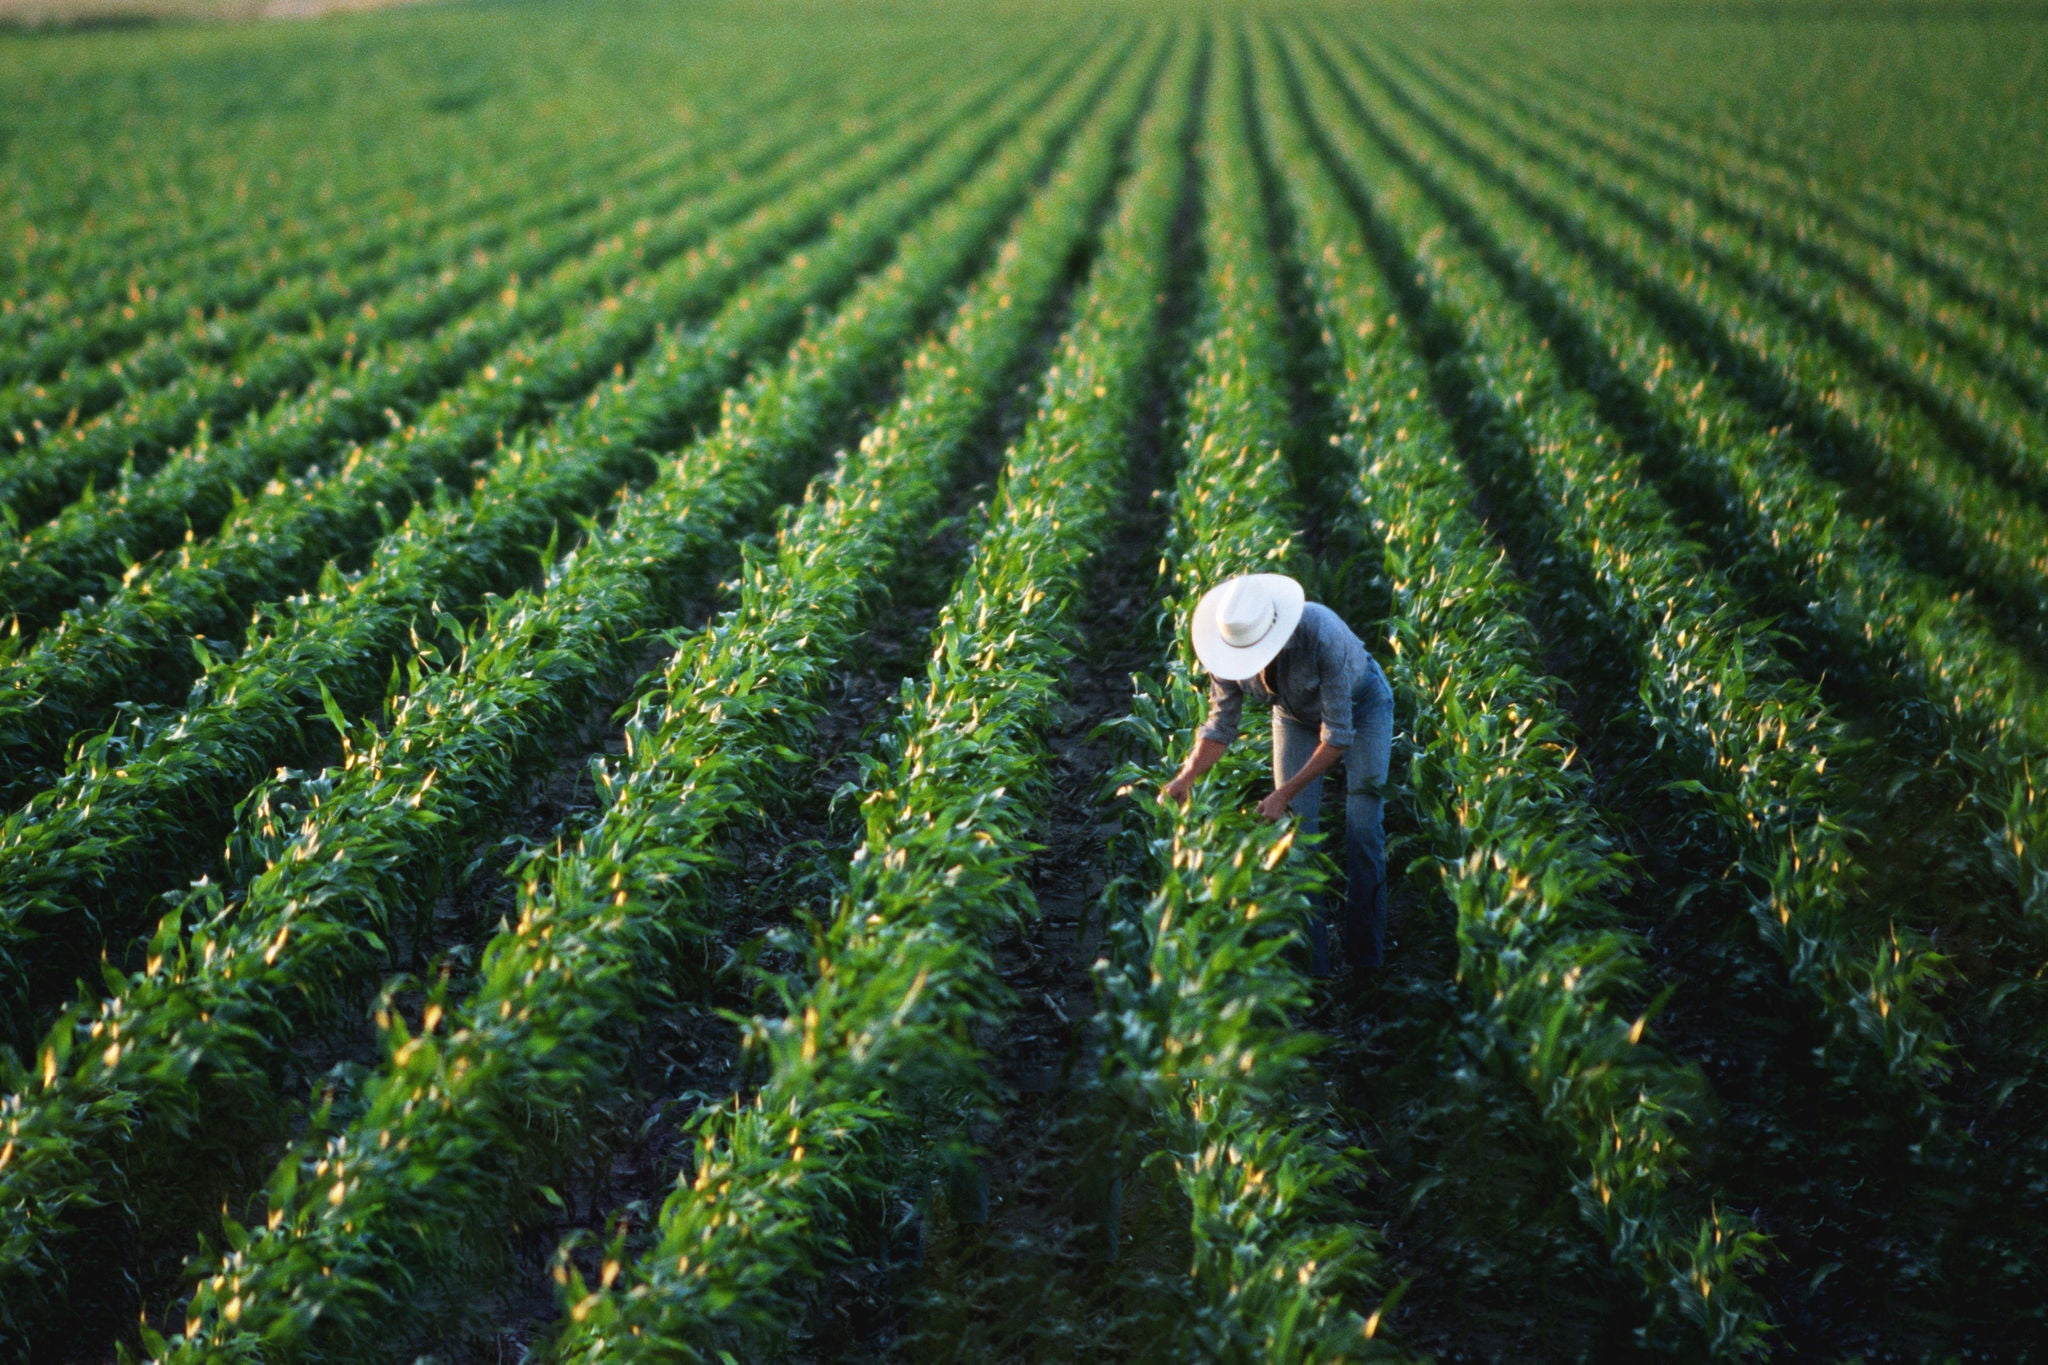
x: 1200, y: 1000
x: 209, y: 389
x: 1949, y: 512
x: 55, y: 342
x: 1915, y: 299
x: 360, y: 209
x: 116, y: 300
x: 1993, y: 266
x: 1843, y: 578
x: 1874, y: 293
x: 457, y: 230
x: 127, y: 278
x: 59, y: 272
x: 95, y: 380
x: 205, y: 1030
x: 184, y: 196
x: 1789, y: 516
x: 870, y: 1074
x: 65, y: 247
x: 1996, y: 432
x: 241, y: 260
x: 1983, y: 1157
x: 458, y: 1122
x: 86, y: 856
x: 347, y: 202
x: 1986, y: 270
x: 142, y: 437
x: 1732, y: 719
x: 510, y: 374
x: 138, y: 644
x: 97, y: 539
x: 1547, y: 972
x: 454, y: 270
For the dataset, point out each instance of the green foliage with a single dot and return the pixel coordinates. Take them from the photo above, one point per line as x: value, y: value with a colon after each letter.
x: 1544, y: 969
x: 457, y: 743
x: 457, y: 1128
x: 1201, y: 997
x: 1746, y: 736
x: 872, y: 1070
x: 1794, y: 517
x: 474, y: 324
x: 281, y: 540
x: 132, y: 799
x: 1692, y: 441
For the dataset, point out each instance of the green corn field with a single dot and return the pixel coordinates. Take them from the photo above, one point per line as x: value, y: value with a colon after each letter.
x: 594, y: 599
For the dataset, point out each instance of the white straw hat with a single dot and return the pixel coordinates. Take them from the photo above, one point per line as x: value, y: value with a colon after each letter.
x: 1242, y: 623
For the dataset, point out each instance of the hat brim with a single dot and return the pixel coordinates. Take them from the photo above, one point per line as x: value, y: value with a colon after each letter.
x: 1230, y: 662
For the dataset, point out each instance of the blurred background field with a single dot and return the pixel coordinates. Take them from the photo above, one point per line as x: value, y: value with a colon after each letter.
x: 44, y: 14
x: 1949, y: 98
x: 1945, y: 99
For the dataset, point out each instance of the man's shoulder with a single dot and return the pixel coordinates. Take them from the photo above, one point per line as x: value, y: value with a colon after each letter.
x: 1318, y: 620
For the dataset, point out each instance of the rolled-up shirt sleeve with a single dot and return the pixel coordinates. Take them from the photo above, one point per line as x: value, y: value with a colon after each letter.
x: 1337, y: 682
x: 1226, y: 706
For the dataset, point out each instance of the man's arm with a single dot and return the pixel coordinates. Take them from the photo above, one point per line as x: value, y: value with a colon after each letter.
x: 1226, y: 704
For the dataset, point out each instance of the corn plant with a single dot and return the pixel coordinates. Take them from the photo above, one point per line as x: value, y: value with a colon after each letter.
x: 541, y: 1028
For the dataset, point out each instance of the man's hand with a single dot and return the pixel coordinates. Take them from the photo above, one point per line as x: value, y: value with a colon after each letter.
x: 1325, y: 757
x: 1207, y: 751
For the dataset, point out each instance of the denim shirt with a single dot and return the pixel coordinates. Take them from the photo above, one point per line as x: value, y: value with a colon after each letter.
x: 1322, y: 659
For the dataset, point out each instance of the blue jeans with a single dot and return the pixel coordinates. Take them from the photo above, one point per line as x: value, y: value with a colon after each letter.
x: 1364, y: 919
